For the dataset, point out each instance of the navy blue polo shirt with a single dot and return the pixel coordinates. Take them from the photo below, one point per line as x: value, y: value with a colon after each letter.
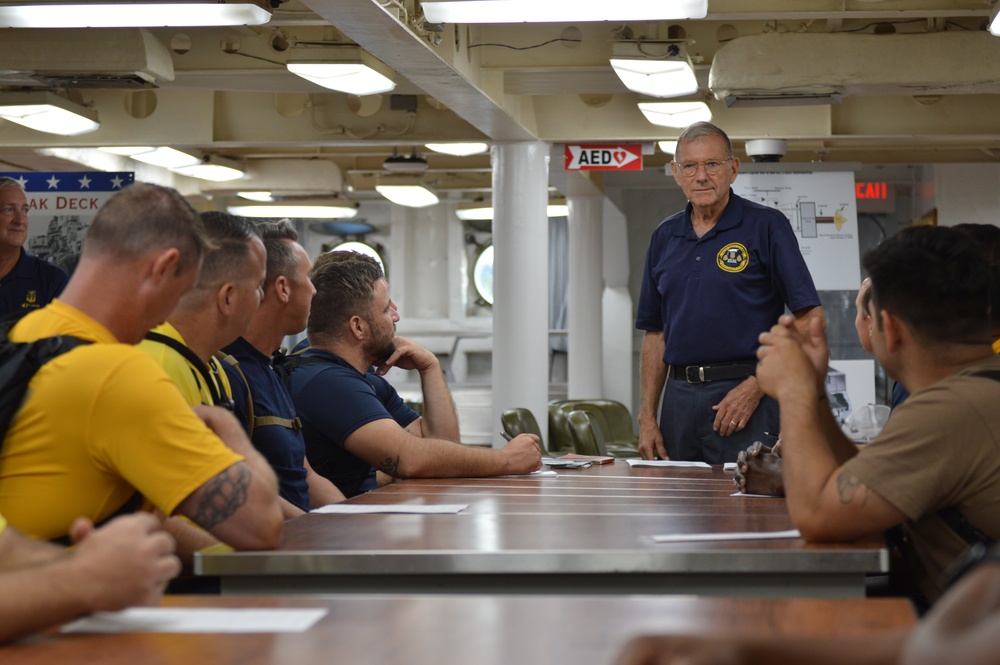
x: 333, y: 399
x: 712, y: 296
x: 32, y: 284
x: 282, y: 447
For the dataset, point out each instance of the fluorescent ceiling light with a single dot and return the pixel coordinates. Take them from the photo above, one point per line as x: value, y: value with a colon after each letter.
x: 675, y: 114
x: 669, y: 147
x: 560, y: 11
x: 481, y: 212
x: 994, y: 26
x: 127, y: 151
x: 655, y: 69
x: 406, y: 191
x: 49, y: 113
x: 345, y: 69
x: 131, y: 14
x: 168, y: 158
x: 210, y: 171
x: 299, y: 210
x: 458, y: 149
x: 262, y: 197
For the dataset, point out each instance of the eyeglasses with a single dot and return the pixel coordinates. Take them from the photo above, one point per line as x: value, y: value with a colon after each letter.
x: 712, y: 167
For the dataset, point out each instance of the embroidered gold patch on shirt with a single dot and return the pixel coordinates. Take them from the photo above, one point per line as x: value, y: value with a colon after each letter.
x: 733, y: 257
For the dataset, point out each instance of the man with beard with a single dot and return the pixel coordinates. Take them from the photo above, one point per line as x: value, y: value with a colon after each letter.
x: 261, y: 401
x: 354, y: 421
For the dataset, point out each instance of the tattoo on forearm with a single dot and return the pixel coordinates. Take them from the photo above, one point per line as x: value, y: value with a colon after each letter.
x: 223, y: 496
x: 847, y: 488
x: 390, y: 466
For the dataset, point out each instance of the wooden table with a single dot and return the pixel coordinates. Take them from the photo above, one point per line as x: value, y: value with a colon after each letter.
x: 464, y: 630
x: 585, y: 531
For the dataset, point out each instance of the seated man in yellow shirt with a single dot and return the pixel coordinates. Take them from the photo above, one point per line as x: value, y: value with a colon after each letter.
x: 127, y: 562
x: 103, y: 421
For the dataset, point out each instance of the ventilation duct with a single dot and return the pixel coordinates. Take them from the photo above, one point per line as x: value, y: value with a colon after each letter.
x: 121, y: 58
x: 802, y: 68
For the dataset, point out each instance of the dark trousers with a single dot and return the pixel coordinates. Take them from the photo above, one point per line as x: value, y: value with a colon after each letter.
x: 686, y: 419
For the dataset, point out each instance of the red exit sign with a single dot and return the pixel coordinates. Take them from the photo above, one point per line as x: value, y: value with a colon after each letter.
x: 878, y: 191
x: 624, y: 157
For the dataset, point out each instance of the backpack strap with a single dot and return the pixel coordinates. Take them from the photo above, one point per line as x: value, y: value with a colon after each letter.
x: 197, y: 367
x: 254, y: 421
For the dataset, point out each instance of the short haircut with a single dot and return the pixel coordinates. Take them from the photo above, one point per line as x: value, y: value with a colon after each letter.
x: 343, y: 289
x: 143, y: 218
x: 988, y: 236
x: 339, y: 255
x: 231, y: 259
x: 700, y: 130
x: 277, y: 237
x: 936, y: 280
x: 6, y: 181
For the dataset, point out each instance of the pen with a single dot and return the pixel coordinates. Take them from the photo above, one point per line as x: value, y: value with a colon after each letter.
x: 506, y: 437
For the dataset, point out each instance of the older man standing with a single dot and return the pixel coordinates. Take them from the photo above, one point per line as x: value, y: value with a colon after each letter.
x: 717, y: 274
x: 26, y: 282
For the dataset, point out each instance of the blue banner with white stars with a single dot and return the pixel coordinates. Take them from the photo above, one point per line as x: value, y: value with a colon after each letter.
x: 71, y: 181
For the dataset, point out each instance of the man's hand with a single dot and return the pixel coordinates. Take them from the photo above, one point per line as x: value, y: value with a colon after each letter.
x: 523, y: 453
x: 758, y: 471
x: 651, y: 441
x: 126, y: 562
x: 408, y: 355
x: 733, y: 413
x: 792, y: 366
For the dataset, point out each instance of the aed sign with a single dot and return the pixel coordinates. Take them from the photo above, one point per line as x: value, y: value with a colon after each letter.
x: 624, y: 157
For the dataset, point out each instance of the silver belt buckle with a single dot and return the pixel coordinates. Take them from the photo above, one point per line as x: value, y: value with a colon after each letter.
x: 701, y: 374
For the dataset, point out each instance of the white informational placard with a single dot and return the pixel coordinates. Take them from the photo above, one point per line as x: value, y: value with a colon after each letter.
x: 822, y: 210
x: 850, y: 385
x: 62, y: 206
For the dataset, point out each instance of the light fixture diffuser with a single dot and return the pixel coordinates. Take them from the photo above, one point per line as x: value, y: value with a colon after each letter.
x: 560, y: 11
x: 480, y: 211
x: 458, y: 149
x: 301, y: 209
x: 657, y: 69
x: 345, y: 69
x: 669, y: 147
x: 994, y: 25
x: 132, y: 14
x: 48, y: 112
x: 216, y: 169
x: 675, y: 114
x: 406, y: 191
x: 168, y: 158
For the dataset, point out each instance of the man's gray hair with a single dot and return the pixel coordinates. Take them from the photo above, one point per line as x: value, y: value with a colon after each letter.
x: 700, y: 130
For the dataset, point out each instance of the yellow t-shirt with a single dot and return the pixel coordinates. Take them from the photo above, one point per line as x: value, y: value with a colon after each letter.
x: 98, y: 423
x: 189, y: 380
x: 3, y: 524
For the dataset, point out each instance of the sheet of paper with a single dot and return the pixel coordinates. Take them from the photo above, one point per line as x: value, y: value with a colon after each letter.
x: 667, y: 462
x: 363, y: 508
x: 756, y: 496
x: 199, y: 620
x: 729, y: 466
x: 739, y: 535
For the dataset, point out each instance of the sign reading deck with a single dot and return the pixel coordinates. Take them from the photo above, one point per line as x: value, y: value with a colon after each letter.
x: 624, y: 157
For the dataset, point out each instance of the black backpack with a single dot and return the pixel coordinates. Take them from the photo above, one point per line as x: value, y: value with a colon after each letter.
x: 18, y: 363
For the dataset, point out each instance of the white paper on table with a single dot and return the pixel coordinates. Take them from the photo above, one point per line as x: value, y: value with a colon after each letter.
x: 739, y: 535
x: 757, y: 496
x: 365, y: 508
x: 199, y: 620
x: 534, y: 474
x: 729, y: 466
x: 667, y: 462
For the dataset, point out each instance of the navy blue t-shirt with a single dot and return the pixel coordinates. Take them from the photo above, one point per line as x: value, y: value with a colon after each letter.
x: 283, y: 447
x: 333, y: 399
x: 712, y: 296
x: 32, y: 284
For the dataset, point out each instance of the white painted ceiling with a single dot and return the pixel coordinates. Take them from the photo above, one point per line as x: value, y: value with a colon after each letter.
x: 918, y: 81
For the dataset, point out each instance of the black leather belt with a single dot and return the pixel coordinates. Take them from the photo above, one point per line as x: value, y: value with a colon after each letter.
x: 706, y: 373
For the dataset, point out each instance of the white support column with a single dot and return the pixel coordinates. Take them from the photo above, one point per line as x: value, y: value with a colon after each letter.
x: 586, y: 285
x: 520, y: 280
